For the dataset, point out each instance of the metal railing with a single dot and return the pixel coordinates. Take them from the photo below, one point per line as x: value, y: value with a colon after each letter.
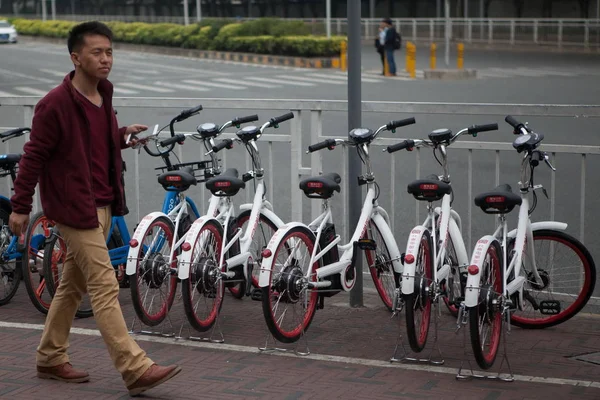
x: 314, y: 111
x: 558, y: 33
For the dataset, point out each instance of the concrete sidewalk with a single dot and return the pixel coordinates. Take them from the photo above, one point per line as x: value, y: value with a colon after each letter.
x: 350, y: 349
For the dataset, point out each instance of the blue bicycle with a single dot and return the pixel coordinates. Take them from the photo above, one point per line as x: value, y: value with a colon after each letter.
x: 119, y: 236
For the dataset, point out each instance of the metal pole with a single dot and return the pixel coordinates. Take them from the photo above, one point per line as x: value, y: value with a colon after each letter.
x: 372, y: 32
x: 186, y: 13
x: 447, y: 35
x: 481, y: 11
x: 328, y: 17
x: 466, y: 9
x: 354, y: 121
x: 198, y: 10
x: 53, y: 10
x: 44, y: 11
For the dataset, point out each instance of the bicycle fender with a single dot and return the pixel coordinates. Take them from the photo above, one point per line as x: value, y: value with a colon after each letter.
x: 385, y: 230
x: 185, y: 257
x: 266, y: 265
x: 138, y: 235
x: 272, y: 216
x: 412, y: 248
x: 459, y: 244
x: 477, y: 259
x: 536, y: 226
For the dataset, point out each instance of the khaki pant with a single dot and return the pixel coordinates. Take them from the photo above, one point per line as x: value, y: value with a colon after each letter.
x: 88, y: 268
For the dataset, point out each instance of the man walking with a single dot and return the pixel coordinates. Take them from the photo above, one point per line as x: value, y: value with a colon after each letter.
x: 389, y: 43
x: 75, y: 153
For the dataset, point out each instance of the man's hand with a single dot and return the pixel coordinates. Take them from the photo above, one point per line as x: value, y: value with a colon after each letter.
x: 132, y: 130
x: 18, y: 223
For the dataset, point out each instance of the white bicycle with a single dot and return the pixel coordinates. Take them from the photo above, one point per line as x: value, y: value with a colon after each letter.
x: 158, y: 239
x: 212, y: 259
x: 301, y: 265
x: 435, y: 260
x: 534, y: 276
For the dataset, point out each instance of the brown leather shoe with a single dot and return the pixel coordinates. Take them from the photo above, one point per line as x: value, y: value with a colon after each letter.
x: 154, y: 376
x: 63, y: 372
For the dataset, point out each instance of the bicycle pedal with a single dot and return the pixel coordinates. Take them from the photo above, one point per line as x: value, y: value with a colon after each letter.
x: 367, y: 244
x: 256, y: 294
x: 550, y: 307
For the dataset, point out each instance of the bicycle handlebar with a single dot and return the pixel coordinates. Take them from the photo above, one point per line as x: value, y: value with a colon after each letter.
x: 407, y: 144
x: 399, y: 123
x: 179, y: 138
x: 242, y: 120
x: 185, y: 114
x: 329, y: 143
x: 475, y: 129
x: 226, y: 143
x: 277, y: 120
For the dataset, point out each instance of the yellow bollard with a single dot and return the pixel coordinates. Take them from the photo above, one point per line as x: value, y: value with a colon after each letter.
x: 432, y: 58
x: 407, y: 67
x: 412, y: 51
x: 386, y: 66
x: 343, y: 55
x: 461, y: 56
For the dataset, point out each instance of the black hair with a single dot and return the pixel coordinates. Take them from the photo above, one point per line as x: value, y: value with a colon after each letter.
x: 76, y: 35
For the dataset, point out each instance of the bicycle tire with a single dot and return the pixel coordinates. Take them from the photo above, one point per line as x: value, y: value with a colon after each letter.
x: 418, y: 340
x: 203, y: 280
x: 285, y: 335
x: 51, y: 274
x: 485, y: 307
x: 5, y: 211
x: 583, y: 296
x: 380, y: 264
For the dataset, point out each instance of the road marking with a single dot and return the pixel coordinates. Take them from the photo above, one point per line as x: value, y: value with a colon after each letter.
x: 312, y: 80
x: 214, y: 84
x: 182, y: 87
x: 344, y: 77
x: 51, y: 72
x: 145, y: 87
x: 43, y: 80
x: 240, y: 82
x: 30, y: 90
x: 280, y: 81
x: 311, y: 356
x: 124, y: 91
x: 5, y: 94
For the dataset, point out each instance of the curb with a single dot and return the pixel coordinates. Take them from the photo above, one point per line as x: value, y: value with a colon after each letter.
x: 262, y: 59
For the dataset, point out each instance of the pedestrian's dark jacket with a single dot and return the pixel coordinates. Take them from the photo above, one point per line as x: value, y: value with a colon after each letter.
x: 59, y: 155
x: 390, y: 34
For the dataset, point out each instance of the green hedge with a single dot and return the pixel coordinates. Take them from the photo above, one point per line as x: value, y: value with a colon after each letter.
x: 261, y: 36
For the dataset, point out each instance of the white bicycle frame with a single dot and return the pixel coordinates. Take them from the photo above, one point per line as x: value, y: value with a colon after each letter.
x: 369, y: 211
x: 523, y: 236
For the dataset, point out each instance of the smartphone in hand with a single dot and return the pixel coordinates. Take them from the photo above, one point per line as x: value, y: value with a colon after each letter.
x: 142, y: 136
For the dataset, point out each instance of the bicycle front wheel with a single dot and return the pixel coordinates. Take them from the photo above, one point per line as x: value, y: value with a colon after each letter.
x: 202, y: 292
x: 154, y: 283
x: 288, y: 302
x: 568, y: 277
x: 380, y: 266
x: 418, y: 303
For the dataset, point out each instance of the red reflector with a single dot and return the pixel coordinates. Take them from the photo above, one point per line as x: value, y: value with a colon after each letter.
x: 186, y: 246
x: 409, y: 259
x: 495, y: 199
x: 173, y: 178
x: 473, y: 269
x: 266, y: 253
x: 223, y: 184
x: 133, y: 243
x: 428, y: 186
x: 314, y: 184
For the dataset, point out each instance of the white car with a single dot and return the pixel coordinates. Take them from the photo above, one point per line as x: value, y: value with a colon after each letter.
x: 8, y: 33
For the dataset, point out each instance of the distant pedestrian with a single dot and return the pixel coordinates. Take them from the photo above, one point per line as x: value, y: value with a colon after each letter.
x: 379, y: 41
x: 391, y: 42
x: 75, y: 153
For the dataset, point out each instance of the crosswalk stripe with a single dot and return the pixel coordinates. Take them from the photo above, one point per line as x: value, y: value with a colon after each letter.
x: 30, y: 90
x: 6, y: 94
x: 214, y: 84
x: 182, y: 87
x: 51, y: 72
x: 240, y: 82
x: 344, y: 77
x: 280, y: 81
x: 145, y: 87
x: 124, y: 91
x: 313, y: 80
x: 34, y: 78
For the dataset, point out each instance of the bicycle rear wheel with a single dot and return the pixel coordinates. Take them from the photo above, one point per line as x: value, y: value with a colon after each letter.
x: 568, y: 277
x: 418, y: 303
x: 10, y: 270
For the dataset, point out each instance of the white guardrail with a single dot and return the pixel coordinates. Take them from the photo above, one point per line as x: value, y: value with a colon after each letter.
x: 299, y: 137
x: 584, y: 33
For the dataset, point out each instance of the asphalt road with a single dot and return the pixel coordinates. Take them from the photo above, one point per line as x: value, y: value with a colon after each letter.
x: 518, y: 78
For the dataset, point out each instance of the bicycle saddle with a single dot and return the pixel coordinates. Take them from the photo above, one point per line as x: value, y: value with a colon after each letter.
x: 177, y: 181
x: 322, y: 186
x: 429, y: 189
x: 226, y: 184
x: 500, y: 200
